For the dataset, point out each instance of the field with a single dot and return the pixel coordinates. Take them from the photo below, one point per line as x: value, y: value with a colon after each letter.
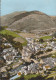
x: 31, y: 35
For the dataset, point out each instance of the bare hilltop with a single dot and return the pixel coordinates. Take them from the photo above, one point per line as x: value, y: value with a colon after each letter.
x: 28, y: 21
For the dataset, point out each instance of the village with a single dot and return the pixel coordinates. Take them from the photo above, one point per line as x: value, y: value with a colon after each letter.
x: 36, y: 57
x: 31, y: 52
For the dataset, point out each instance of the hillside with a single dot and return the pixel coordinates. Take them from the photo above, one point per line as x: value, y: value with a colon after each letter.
x: 28, y: 21
x: 54, y: 18
x: 14, y: 35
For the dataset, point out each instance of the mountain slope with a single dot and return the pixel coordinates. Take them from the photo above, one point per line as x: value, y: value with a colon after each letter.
x: 28, y: 21
x: 54, y: 19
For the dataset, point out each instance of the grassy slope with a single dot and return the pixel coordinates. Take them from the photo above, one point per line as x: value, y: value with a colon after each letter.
x: 32, y: 76
x: 46, y: 37
x: 27, y: 77
x: 13, y: 34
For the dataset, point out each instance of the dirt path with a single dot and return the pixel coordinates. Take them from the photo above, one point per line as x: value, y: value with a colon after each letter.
x: 27, y: 35
x: 46, y: 54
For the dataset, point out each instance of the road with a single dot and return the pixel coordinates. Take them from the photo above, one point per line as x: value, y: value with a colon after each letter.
x: 46, y: 54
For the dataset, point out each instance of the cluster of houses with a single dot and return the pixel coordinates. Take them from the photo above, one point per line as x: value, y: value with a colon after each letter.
x: 37, y: 48
x: 35, y: 68
x: 9, y: 54
x: 34, y: 48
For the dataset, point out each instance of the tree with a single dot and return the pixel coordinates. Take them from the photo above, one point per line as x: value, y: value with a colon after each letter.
x: 41, y: 40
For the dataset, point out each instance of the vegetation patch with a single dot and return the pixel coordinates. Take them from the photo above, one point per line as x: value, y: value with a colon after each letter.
x: 53, y: 74
x: 13, y: 34
x: 7, y: 32
x: 54, y: 55
x: 27, y: 77
x: 46, y: 37
x: 17, y: 31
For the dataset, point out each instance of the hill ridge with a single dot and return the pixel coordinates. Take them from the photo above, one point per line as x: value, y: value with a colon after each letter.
x: 28, y: 21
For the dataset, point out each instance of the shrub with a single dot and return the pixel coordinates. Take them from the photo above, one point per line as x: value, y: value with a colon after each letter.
x: 41, y: 40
